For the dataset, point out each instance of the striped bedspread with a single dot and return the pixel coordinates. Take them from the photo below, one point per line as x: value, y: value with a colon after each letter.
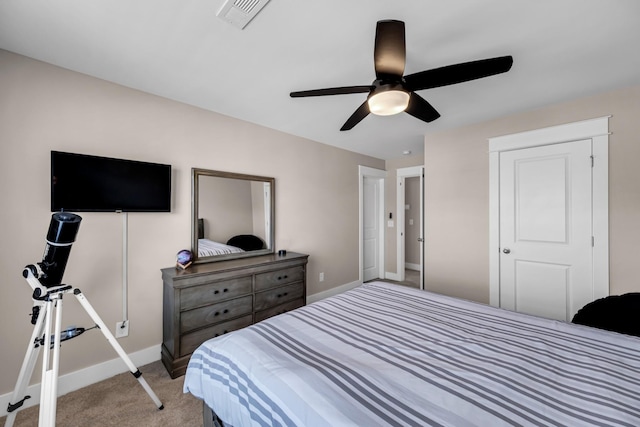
x: 208, y: 247
x: 383, y: 354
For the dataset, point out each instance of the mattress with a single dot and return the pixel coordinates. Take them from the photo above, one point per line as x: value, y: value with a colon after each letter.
x: 383, y: 354
x: 208, y: 247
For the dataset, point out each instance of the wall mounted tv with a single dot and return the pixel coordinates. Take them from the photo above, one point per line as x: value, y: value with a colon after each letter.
x: 83, y: 183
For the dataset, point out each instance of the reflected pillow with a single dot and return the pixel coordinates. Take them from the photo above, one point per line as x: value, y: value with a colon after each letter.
x: 247, y: 242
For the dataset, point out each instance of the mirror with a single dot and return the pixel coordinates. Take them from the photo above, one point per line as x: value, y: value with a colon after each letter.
x: 232, y: 215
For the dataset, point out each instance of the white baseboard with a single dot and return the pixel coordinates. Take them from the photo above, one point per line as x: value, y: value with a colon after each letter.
x: 332, y: 292
x: 84, y: 377
x: 410, y: 266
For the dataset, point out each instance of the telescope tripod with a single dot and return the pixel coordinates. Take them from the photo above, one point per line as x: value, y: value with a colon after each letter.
x: 47, y: 303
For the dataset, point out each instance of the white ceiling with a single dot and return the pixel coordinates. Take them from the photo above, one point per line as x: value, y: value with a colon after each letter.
x: 562, y: 49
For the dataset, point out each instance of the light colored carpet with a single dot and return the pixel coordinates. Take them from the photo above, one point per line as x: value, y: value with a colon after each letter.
x: 411, y: 279
x: 121, y: 401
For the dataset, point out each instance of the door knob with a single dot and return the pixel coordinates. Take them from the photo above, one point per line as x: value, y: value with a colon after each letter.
x: 506, y: 250
x: 420, y: 239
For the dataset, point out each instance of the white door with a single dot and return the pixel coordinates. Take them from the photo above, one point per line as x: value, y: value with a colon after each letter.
x: 546, y: 246
x: 370, y: 229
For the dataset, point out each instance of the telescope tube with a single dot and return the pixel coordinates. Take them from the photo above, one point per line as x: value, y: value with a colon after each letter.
x: 60, y: 237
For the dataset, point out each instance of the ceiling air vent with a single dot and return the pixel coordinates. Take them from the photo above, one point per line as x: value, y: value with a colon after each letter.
x: 240, y: 12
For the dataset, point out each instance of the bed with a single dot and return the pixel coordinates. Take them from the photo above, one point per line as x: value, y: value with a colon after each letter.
x: 236, y: 244
x: 383, y: 354
x: 208, y: 247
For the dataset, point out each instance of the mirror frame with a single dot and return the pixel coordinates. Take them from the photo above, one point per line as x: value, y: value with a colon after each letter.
x: 196, y: 173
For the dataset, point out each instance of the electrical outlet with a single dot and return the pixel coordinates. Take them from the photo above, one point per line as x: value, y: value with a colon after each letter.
x: 122, y: 329
x: 321, y: 278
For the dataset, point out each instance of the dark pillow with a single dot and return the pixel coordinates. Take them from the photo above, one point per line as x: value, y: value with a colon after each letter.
x: 200, y: 228
x: 247, y: 242
x: 618, y: 313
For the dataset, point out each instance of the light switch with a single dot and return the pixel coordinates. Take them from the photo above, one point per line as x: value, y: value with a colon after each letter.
x: 390, y: 223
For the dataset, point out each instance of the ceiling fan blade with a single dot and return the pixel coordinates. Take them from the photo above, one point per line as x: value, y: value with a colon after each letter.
x: 390, y: 49
x: 458, y: 73
x: 356, y: 117
x: 332, y: 91
x: 419, y: 108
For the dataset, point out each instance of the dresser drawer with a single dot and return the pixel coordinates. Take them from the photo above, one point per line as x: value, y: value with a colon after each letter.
x: 279, y: 277
x: 197, y: 296
x: 279, y: 309
x: 211, y: 299
x: 277, y: 296
x: 199, y: 317
x: 189, y: 342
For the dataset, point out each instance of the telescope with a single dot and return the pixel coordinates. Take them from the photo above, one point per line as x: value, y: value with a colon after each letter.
x: 63, y: 229
x: 47, y: 318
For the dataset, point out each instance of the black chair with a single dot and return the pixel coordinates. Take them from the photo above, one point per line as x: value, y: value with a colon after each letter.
x: 617, y: 313
x: 246, y: 242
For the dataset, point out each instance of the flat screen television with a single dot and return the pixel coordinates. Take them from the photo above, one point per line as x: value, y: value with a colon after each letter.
x: 83, y: 183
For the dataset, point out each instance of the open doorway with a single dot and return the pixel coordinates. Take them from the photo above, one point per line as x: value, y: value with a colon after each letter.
x: 410, y: 217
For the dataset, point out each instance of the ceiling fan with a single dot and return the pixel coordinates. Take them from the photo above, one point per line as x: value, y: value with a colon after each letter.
x: 392, y: 92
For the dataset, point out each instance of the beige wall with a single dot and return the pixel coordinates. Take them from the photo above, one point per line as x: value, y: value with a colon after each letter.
x: 457, y: 193
x: 226, y: 206
x: 43, y: 107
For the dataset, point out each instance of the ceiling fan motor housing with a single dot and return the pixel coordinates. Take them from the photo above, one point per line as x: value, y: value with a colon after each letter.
x: 387, y: 98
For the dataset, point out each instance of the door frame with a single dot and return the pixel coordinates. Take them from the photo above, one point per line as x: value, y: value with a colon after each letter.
x: 381, y: 175
x: 402, y: 174
x: 598, y: 131
x: 266, y: 192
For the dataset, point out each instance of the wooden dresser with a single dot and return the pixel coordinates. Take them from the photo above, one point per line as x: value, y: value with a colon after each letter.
x: 208, y: 300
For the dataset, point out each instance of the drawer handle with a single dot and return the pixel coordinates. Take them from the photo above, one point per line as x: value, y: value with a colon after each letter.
x: 283, y: 295
x: 283, y: 277
x: 217, y: 313
x: 226, y: 311
x: 225, y: 290
x: 217, y: 291
x: 223, y: 332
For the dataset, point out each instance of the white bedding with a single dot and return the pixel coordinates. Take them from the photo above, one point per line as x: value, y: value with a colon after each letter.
x: 208, y: 247
x: 383, y: 354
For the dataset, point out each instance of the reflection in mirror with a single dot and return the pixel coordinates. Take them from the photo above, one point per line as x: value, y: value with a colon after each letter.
x: 232, y: 215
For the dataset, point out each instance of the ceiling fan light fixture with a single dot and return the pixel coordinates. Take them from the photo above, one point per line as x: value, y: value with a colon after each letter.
x: 388, y: 102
